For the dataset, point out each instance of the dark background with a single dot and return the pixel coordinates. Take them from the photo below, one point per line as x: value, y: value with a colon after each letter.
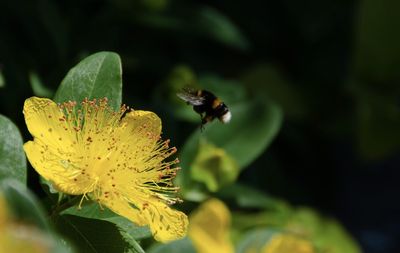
x: 339, y: 147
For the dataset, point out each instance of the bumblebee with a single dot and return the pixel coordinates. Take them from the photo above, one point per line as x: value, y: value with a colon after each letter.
x: 206, y: 104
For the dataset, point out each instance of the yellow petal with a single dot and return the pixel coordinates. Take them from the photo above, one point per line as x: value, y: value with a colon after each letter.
x: 46, y: 122
x: 213, y: 166
x: 142, y: 129
x: 286, y: 243
x: 165, y: 223
x: 55, y: 153
x: 16, y: 238
x: 140, y: 164
x: 137, y: 119
x: 209, y: 228
x: 3, y: 211
x: 126, y: 147
x: 58, y: 167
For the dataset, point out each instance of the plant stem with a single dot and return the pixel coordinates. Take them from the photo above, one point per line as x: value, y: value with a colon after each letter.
x: 59, y: 208
x: 137, y: 247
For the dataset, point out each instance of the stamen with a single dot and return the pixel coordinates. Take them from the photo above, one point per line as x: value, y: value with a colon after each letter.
x: 80, y: 202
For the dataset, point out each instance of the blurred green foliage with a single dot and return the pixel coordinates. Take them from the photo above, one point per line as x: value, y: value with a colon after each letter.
x: 125, y: 227
x: 26, y: 211
x: 12, y: 158
x: 376, y: 74
x: 213, y: 167
x: 38, y: 88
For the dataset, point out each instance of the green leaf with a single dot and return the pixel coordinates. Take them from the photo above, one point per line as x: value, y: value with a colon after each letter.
x: 376, y: 78
x: 254, y: 240
x: 269, y: 82
x: 326, y: 234
x: 377, y: 51
x: 203, y: 22
x: 219, y: 27
x: 90, y: 235
x: 97, y: 76
x: 2, y: 79
x: 12, y: 156
x: 245, y: 221
x: 155, y: 5
x: 336, y: 239
x: 23, y: 204
x: 162, y: 22
x: 184, y: 245
x: 28, y: 213
x: 378, y: 124
x: 38, y: 87
x: 247, y: 197
x: 126, y: 227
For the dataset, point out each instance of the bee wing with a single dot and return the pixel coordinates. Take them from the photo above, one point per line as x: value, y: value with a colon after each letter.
x: 190, y: 98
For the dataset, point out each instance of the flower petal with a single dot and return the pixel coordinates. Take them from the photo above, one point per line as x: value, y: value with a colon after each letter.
x: 55, y: 152
x: 46, y: 121
x: 133, y: 150
x: 165, y: 223
x: 124, y: 150
x: 58, y: 167
x: 209, y: 228
x: 138, y: 118
x: 142, y: 129
x: 282, y: 243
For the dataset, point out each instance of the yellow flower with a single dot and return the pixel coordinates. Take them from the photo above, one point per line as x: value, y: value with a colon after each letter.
x: 115, y: 158
x: 209, y: 228
x: 286, y: 243
x: 213, y: 166
x: 16, y: 237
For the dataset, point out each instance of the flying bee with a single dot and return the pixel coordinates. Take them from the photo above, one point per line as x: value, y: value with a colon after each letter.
x: 206, y: 104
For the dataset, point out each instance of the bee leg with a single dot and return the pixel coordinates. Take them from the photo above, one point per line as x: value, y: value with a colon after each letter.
x: 201, y: 127
x: 203, y: 122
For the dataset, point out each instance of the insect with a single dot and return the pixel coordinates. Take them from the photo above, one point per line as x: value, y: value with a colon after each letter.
x: 206, y: 104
